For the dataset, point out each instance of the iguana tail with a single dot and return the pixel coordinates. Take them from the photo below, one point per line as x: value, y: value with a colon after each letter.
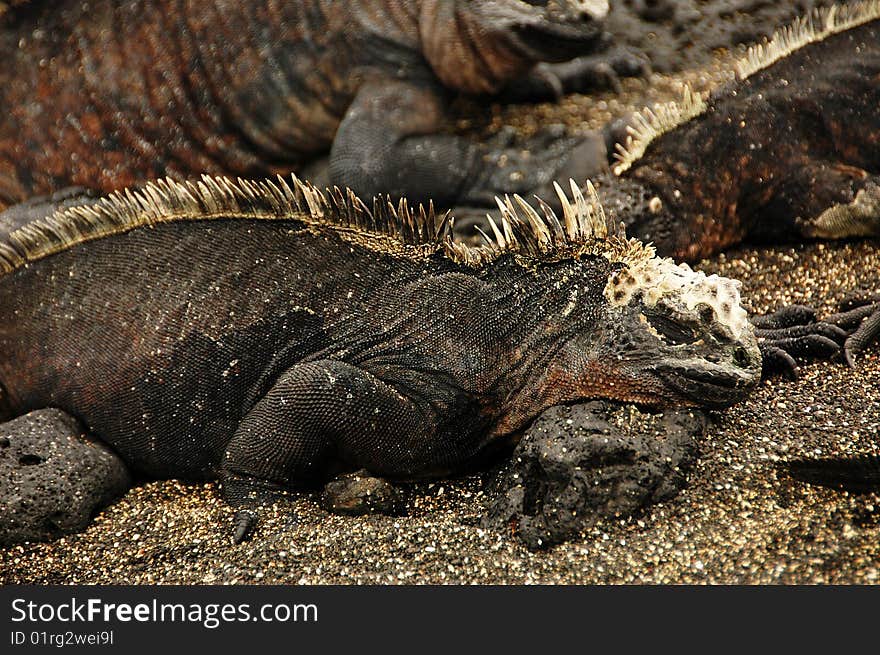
x: 859, y: 474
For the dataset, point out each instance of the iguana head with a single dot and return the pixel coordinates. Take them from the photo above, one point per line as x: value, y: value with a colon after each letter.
x: 478, y: 46
x: 549, y: 30
x: 649, y: 332
x: 678, y: 336
x: 615, y: 321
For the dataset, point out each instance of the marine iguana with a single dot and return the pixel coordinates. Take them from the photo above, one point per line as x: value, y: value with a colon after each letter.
x: 270, y: 328
x: 789, y: 149
x: 109, y: 93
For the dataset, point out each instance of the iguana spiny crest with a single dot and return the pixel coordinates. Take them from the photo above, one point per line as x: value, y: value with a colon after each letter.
x: 661, y: 317
x: 653, y: 122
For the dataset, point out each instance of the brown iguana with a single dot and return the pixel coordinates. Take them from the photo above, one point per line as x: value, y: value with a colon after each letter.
x: 269, y: 329
x: 788, y: 150
x: 110, y: 93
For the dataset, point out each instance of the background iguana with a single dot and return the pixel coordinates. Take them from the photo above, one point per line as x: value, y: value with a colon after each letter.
x: 789, y: 150
x: 106, y: 94
x: 268, y: 329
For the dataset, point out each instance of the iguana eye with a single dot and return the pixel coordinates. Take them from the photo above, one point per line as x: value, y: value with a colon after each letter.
x: 671, y: 330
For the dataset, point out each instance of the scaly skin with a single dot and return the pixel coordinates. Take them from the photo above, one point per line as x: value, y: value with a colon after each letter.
x: 770, y: 155
x: 261, y: 350
x: 790, y: 152
x: 107, y: 94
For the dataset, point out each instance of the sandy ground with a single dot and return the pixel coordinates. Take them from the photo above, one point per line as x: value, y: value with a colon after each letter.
x: 740, y: 520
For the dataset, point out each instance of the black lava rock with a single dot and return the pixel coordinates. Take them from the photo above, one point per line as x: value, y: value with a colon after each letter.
x: 50, y: 487
x: 599, y: 459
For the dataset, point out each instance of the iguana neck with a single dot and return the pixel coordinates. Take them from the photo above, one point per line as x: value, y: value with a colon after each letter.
x: 466, y: 54
x: 545, y: 325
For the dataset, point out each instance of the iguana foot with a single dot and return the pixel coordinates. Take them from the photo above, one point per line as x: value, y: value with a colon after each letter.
x: 859, y: 313
x: 360, y: 493
x: 245, y: 523
x: 247, y: 494
x: 550, y: 82
x: 793, y: 334
x: 597, y: 72
x: 530, y: 166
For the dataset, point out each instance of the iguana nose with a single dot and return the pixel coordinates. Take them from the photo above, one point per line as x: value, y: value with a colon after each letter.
x: 741, y: 357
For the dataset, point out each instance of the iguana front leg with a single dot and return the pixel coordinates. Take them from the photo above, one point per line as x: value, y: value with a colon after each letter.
x: 550, y: 82
x: 391, y: 142
x: 322, y: 410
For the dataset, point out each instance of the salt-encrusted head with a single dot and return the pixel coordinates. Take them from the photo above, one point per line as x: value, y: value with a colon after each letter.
x: 635, y: 327
x: 662, y: 285
x: 691, y: 325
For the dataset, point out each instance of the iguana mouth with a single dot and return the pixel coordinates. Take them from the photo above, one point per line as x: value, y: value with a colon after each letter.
x: 709, y: 385
x: 548, y: 41
x: 551, y: 39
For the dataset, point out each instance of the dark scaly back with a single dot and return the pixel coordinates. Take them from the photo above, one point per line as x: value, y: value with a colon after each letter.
x: 778, y: 144
x: 141, y: 89
x: 160, y: 316
x: 106, y: 94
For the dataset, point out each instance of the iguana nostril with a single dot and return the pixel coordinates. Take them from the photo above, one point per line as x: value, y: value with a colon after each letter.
x: 741, y: 357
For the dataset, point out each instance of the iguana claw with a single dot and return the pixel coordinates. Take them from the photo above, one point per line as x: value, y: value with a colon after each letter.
x: 864, y: 334
x: 776, y: 360
x: 245, y: 522
x: 860, y: 315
